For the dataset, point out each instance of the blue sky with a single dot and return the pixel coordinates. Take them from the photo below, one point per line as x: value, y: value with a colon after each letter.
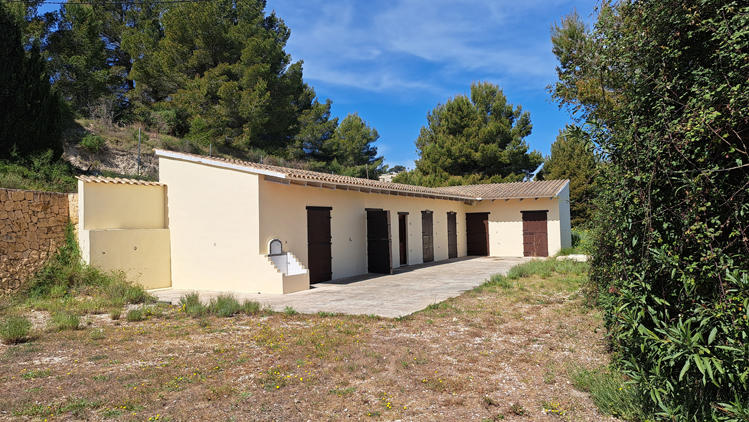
x: 392, y: 61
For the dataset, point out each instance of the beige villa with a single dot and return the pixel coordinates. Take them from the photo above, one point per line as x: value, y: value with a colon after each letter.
x: 228, y: 225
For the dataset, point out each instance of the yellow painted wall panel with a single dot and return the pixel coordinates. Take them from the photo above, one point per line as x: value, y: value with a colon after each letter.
x: 144, y: 255
x: 120, y: 206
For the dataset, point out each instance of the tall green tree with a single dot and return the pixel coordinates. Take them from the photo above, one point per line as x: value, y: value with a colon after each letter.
x: 672, y: 232
x: 30, y: 113
x: 572, y: 157
x: 316, y: 128
x: 78, y: 57
x: 223, y: 64
x: 351, y: 151
x: 588, y: 85
x: 476, y: 139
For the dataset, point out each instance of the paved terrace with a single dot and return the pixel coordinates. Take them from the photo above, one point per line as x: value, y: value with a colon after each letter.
x: 410, y: 289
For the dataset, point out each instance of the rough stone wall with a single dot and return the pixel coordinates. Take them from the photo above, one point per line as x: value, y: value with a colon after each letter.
x: 32, y: 227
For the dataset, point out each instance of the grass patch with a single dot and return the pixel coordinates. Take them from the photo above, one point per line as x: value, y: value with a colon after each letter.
x: 115, y: 314
x: 15, y: 329
x: 225, y: 305
x: 556, y: 276
x: 30, y: 375
x: 611, y: 393
x: 62, y: 321
x: 288, y: 310
x: 135, y: 315
x: 251, y: 307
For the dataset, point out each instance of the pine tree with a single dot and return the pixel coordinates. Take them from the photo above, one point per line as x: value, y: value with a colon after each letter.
x: 30, y: 113
x: 480, y: 139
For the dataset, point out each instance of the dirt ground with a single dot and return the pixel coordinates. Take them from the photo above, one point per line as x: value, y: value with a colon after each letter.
x: 490, y: 354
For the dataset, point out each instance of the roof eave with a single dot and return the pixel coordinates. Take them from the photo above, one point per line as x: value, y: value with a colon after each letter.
x: 385, y: 188
x: 216, y: 163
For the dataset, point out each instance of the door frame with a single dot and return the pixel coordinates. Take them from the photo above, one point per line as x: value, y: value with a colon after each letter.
x: 486, y: 233
x: 329, y: 244
x: 535, y: 251
x: 430, y: 236
x: 403, y: 238
x: 452, y: 240
x: 379, y: 239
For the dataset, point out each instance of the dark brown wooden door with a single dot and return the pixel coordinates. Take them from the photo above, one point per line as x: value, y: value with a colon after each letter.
x: 402, y: 236
x: 379, y: 248
x: 477, y: 233
x: 535, y: 234
x: 452, y: 235
x: 319, y: 243
x: 427, y: 235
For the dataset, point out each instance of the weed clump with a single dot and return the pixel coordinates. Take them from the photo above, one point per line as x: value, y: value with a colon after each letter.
x: 115, y: 313
x: 135, y: 315
x: 15, y: 329
x: 191, y: 305
x: 62, y: 321
x: 251, y: 307
x: 224, y: 305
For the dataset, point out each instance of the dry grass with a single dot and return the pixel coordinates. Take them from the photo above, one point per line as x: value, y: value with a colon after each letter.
x: 497, y: 353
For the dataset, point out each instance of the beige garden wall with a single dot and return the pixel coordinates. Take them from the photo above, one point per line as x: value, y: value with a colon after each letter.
x: 283, y: 215
x: 142, y: 254
x: 124, y: 227
x: 213, y: 218
x: 122, y: 206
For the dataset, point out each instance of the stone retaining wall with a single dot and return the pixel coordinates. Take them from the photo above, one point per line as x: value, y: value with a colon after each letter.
x: 32, y: 227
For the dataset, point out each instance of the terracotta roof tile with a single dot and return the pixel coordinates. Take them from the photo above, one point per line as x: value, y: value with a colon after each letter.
x: 535, y: 189
x: 492, y: 191
x: 117, y: 181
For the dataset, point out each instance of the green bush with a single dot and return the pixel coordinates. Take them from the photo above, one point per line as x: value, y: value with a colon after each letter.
x: 115, y: 313
x: 92, y: 143
x: 14, y: 329
x: 670, y: 263
x: 191, y: 304
x: 135, y: 315
x: 65, y: 321
x: 224, y: 305
x: 251, y: 307
x: 288, y: 310
x: 38, y: 172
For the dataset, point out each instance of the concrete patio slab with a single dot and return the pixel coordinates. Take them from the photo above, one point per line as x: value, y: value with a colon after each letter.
x: 408, y: 290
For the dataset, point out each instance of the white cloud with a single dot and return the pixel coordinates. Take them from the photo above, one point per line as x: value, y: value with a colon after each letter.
x: 420, y: 44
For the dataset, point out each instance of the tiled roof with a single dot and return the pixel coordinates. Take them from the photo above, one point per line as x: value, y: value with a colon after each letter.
x: 494, y: 191
x: 535, y: 189
x: 117, y: 181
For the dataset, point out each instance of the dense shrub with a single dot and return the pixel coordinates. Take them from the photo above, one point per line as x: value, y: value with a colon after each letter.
x: 38, y: 172
x: 671, y: 237
x: 92, y: 143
